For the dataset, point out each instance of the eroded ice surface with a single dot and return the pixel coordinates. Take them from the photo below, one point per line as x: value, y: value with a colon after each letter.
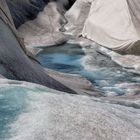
x: 33, y: 112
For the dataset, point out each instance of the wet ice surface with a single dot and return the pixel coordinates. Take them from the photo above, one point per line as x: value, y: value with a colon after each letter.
x: 31, y: 112
x: 107, y: 76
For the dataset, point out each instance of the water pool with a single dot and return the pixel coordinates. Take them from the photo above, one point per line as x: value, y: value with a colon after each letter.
x: 64, y: 58
x: 106, y: 75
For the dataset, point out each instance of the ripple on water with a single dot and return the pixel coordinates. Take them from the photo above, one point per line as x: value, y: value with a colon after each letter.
x: 105, y: 74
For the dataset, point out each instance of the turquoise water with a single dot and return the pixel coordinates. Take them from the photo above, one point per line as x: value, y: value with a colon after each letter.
x: 61, y: 58
x: 62, y: 62
x: 12, y: 103
x: 15, y: 100
x: 105, y: 75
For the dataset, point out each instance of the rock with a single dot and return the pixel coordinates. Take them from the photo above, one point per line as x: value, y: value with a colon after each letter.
x: 44, y: 30
x: 24, y: 10
x: 79, y: 84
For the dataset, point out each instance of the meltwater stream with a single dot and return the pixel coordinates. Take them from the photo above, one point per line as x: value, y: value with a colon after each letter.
x: 107, y: 76
x: 32, y: 112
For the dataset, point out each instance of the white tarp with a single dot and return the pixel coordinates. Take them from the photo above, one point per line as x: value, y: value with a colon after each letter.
x: 113, y: 24
x: 77, y: 15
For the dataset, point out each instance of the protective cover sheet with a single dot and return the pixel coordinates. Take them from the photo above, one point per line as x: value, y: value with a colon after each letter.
x: 114, y: 24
